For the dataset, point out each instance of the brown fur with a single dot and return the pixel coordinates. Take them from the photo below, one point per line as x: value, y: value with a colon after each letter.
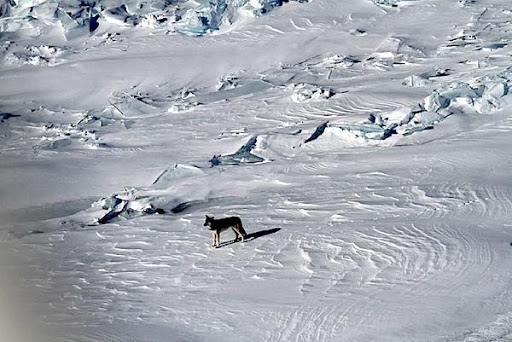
x: 220, y: 225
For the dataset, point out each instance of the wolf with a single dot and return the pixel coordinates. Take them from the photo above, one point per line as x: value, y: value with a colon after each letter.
x: 220, y: 225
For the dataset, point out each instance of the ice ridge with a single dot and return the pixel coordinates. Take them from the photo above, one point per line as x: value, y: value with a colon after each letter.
x: 81, y: 18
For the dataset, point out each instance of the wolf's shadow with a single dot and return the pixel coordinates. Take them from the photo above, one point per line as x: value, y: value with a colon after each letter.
x: 251, y: 236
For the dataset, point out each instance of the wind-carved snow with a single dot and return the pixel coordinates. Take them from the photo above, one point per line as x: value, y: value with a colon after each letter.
x: 346, y: 237
x: 481, y: 96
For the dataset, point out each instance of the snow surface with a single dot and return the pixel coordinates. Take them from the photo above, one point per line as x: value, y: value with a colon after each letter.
x: 365, y: 145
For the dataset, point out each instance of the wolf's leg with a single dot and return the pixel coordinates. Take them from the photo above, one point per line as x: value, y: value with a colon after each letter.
x: 240, y: 231
x: 214, y: 239
x: 217, y: 234
x: 236, y: 233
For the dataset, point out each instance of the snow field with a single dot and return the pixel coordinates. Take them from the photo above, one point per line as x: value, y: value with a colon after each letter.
x: 365, y: 146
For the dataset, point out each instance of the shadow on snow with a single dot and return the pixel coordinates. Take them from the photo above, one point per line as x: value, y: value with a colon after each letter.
x: 251, y: 236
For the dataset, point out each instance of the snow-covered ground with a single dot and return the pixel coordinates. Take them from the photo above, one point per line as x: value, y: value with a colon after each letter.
x: 365, y: 145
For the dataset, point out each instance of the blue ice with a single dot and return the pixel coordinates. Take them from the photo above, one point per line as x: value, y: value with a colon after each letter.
x: 243, y: 155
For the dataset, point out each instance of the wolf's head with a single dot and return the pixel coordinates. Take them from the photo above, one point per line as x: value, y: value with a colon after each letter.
x: 208, y: 221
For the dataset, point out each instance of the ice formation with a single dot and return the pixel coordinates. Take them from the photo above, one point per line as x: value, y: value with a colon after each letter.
x: 124, y: 206
x: 243, y: 155
x: 416, y: 81
x: 208, y: 16
x: 81, y: 18
x: 36, y: 55
x: 306, y: 92
x: 227, y: 82
x: 57, y: 136
x: 6, y: 116
x: 481, y: 96
x: 318, y: 132
x: 391, y: 52
x: 392, y: 3
x: 136, y: 202
x: 70, y: 136
x: 381, y: 230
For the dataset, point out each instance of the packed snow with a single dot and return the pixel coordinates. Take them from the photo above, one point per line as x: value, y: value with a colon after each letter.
x: 364, y: 144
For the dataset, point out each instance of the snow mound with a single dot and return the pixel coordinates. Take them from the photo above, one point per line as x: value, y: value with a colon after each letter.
x: 171, y: 174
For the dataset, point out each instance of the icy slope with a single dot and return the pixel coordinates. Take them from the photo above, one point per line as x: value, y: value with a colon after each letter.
x: 365, y: 145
